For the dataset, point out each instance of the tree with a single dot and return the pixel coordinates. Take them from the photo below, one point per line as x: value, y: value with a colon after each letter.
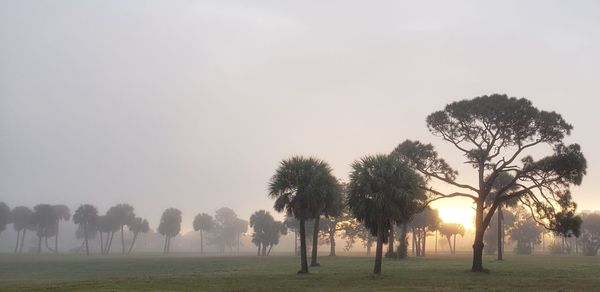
x: 526, y: 233
x: 382, y: 190
x: 170, y: 226
x: 590, y: 233
x: 500, y: 182
x: 423, y: 222
x: 21, y: 219
x: 356, y: 230
x: 44, y: 219
x: 63, y: 213
x: 494, y: 238
x: 240, y: 227
x: 227, y: 229
x: 203, y: 223
x: 304, y: 188
x: 450, y: 230
x: 494, y: 133
x: 106, y: 225
x: 266, y: 231
x: 136, y: 226
x: 123, y: 215
x: 86, y: 216
x: 4, y: 216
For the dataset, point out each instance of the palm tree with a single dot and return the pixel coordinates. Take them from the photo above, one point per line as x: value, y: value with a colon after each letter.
x: 44, y: 220
x: 136, y: 226
x: 266, y: 231
x: 450, y: 230
x: 203, y: 222
x: 20, y: 217
x: 61, y: 212
x: 303, y: 187
x: 382, y: 190
x: 501, y: 181
x: 170, y: 225
x: 123, y: 215
x: 86, y: 215
x: 107, y: 224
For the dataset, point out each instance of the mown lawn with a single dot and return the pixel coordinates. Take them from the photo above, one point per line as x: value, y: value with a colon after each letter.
x: 159, y: 273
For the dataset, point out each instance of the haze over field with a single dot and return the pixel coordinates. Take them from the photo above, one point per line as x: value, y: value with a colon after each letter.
x: 193, y: 104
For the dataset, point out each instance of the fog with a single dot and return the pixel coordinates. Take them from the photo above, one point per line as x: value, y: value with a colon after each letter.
x: 192, y: 104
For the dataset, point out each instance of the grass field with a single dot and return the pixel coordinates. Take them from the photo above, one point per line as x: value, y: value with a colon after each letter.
x: 159, y: 273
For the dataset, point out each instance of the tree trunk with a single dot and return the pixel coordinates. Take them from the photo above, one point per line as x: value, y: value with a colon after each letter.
x: 303, y: 259
x: 40, y: 243
x: 418, y: 242
x: 109, y: 242
x: 424, y: 241
x: 56, y: 238
x: 500, y: 232
x: 478, y: 243
x: 122, y: 240
x: 403, y: 248
x: 414, y: 241
x: 270, y: 248
x: 85, y: 238
x: 135, y: 235
x: 165, y: 247
x: 18, y: 238
x: 296, y: 243
x: 47, y: 245
x: 264, y: 250
x: 448, y: 237
x: 454, y: 245
x: 315, y: 244
x: 379, y: 248
x: 22, y: 241
x: 201, y: 243
x: 369, y: 245
x: 101, y: 243
x: 258, y: 252
x: 436, y: 241
x: 391, y: 241
x: 332, y: 242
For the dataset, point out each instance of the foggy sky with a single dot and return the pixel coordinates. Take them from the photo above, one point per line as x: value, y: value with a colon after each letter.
x: 192, y: 104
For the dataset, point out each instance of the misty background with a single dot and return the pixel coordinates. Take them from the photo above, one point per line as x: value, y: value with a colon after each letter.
x: 192, y: 104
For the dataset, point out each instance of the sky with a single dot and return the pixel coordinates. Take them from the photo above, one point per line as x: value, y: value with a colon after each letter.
x: 192, y: 104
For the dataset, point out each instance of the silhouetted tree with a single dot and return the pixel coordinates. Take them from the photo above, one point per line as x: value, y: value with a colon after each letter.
x: 266, y: 231
x: 170, y: 226
x: 526, y: 233
x: 107, y: 226
x: 304, y: 188
x: 203, y: 223
x: 136, y: 226
x: 566, y: 226
x: 21, y: 219
x: 382, y: 189
x: 227, y: 229
x: 421, y: 223
x: 123, y: 215
x: 493, y: 237
x: 44, y: 220
x: 4, y: 216
x: 590, y: 233
x: 62, y: 213
x: 86, y: 216
x: 493, y: 133
x: 450, y: 230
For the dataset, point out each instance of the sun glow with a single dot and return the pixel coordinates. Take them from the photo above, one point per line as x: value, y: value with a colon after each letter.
x: 457, y: 214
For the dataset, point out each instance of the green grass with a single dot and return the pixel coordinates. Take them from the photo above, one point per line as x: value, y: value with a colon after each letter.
x: 159, y: 273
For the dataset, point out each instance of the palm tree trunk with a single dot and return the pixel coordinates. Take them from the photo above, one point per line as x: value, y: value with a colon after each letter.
x: 315, y: 243
x: 258, y: 252
x: 18, y: 238
x: 379, y: 248
x: 454, y: 249
x: 414, y: 241
x: 22, y: 241
x: 500, y: 233
x: 264, y: 250
x: 109, y: 245
x: 403, y: 248
x: 122, y: 240
x: 85, y: 236
x: 448, y: 237
x: 270, y: 248
x: 101, y: 243
x: 303, y: 259
x: 332, y: 242
x: 47, y: 245
x: 135, y: 235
